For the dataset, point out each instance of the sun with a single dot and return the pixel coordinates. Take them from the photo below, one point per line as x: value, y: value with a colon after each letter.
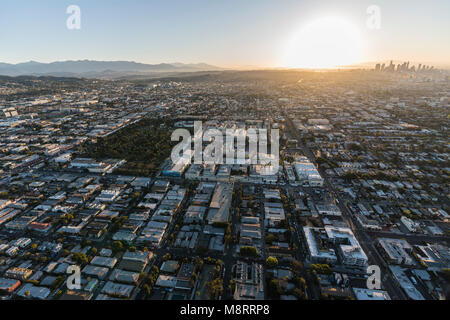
x: 324, y: 43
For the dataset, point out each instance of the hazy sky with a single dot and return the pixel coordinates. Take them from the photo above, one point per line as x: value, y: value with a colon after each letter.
x: 220, y: 32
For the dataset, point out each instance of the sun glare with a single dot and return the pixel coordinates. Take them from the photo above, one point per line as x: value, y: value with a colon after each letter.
x: 324, y: 43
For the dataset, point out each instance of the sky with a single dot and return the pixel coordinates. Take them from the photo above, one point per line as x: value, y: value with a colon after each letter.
x: 227, y: 33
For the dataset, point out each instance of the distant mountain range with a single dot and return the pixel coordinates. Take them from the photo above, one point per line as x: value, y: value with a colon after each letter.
x: 98, y: 69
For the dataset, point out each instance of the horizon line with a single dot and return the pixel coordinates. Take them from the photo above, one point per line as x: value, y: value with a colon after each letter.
x: 358, y: 64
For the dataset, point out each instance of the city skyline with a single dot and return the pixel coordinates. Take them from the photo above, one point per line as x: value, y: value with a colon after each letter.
x: 228, y: 34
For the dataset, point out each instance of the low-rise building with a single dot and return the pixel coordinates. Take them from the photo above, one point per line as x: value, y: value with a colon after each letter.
x: 249, y: 281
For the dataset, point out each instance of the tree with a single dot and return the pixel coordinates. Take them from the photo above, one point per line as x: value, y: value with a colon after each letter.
x: 296, y: 266
x: 221, y: 224
x: 270, y: 238
x: 145, y: 145
x: 215, y: 287
x: 65, y: 253
x: 209, y: 260
x: 227, y: 239
x: 302, y: 282
x: 446, y: 274
x: 232, y: 284
x: 58, y: 281
x: 274, y: 289
x: 142, y: 276
x: 80, y: 258
x: 271, y: 262
x: 299, y: 294
x: 198, y: 264
x: 217, y: 269
x: 321, y: 268
x: 117, y: 245
x: 249, y: 251
x: 147, y: 290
